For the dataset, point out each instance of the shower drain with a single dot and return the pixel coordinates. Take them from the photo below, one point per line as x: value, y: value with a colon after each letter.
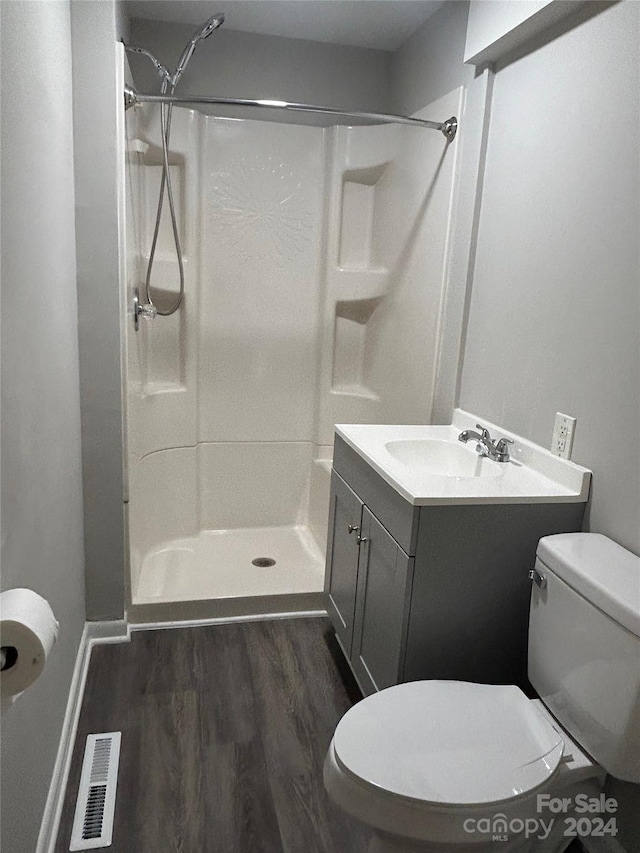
x: 263, y: 562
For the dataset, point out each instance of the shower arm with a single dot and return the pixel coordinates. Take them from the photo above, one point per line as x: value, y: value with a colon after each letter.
x: 132, y: 98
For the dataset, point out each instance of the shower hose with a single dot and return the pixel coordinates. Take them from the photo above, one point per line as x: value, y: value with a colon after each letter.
x: 165, y: 180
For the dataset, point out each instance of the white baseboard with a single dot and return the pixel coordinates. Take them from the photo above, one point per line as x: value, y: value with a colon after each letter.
x: 92, y: 634
x: 114, y: 631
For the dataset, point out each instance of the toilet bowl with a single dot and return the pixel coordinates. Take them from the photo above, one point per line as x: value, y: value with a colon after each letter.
x: 454, y: 766
x: 448, y: 766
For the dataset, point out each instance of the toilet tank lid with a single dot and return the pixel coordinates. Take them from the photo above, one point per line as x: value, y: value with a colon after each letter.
x: 603, y: 572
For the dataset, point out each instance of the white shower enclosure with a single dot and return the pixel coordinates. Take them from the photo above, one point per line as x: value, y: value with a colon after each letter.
x: 315, y: 266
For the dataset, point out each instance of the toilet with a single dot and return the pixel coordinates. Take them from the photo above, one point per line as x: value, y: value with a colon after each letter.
x: 455, y: 766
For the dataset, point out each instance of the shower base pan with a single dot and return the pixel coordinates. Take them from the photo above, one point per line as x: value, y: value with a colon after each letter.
x: 237, y: 572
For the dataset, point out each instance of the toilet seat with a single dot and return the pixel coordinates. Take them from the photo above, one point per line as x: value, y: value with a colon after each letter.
x: 448, y: 743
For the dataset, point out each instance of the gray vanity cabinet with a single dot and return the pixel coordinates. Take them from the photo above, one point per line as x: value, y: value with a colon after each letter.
x: 345, y: 521
x: 382, y: 601
x: 367, y: 584
x: 437, y: 591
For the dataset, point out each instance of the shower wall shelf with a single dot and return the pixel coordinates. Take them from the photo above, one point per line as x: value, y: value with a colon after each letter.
x: 132, y: 98
x: 137, y: 146
x: 351, y: 285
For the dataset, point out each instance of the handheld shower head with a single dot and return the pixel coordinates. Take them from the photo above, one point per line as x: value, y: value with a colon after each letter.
x: 209, y: 26
x: 162, y: 71
x: 200, y: 34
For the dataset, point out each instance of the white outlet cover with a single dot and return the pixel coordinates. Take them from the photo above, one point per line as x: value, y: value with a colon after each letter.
x: 563, y: 432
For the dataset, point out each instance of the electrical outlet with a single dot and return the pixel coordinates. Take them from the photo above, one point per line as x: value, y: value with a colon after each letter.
x: 563, y: 432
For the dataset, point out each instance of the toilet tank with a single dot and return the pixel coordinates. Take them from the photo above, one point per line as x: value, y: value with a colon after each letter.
x: 584, y: 645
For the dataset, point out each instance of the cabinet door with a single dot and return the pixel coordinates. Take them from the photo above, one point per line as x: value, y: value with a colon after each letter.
x: 385, y: 576
x: 345, y: 516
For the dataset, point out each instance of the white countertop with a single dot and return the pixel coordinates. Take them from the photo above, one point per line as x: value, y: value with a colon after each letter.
x: 533, y: 475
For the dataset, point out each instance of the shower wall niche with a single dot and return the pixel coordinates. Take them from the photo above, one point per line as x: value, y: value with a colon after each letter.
x: 356, y: 272
x: 314, y: 266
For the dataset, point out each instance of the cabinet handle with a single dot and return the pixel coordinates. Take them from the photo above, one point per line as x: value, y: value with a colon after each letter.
x: 351, y: 528
x: 361, y: 539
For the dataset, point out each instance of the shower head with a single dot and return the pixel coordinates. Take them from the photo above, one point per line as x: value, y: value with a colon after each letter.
x: 162, y: 71
x: 209, y: 26
x: 200, y: 34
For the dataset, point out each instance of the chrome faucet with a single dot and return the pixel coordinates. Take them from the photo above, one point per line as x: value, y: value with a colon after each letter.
x: 496, y: 450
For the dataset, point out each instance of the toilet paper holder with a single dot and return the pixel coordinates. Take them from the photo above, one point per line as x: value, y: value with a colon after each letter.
x: 8, y: 657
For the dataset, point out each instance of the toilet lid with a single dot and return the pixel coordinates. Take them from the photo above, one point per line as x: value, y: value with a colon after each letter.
x: 448, y: 742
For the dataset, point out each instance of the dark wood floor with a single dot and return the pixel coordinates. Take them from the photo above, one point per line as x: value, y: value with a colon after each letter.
x: 224, y: 733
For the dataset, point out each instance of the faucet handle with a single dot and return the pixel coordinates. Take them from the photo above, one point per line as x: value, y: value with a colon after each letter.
x: 502, y: 449
x: 484, y: 432
x: 502, y: 444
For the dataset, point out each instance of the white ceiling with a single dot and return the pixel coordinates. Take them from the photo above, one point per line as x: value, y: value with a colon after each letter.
x: 380, y: 24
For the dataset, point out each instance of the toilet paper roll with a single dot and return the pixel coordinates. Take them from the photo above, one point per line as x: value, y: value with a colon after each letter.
x: 28, y: 630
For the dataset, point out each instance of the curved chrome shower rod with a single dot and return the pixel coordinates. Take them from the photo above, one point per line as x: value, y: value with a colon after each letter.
x: 131, y: 98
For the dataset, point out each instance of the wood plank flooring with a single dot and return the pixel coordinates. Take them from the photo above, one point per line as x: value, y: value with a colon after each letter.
x: 224, y: 733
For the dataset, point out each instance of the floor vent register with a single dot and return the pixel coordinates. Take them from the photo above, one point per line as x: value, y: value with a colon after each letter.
x: 96, y: 803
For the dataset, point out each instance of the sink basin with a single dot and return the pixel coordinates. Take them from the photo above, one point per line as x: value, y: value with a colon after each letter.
x: 442, y: 458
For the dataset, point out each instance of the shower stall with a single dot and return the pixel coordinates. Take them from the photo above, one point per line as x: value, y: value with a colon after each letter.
x: 315, y: 271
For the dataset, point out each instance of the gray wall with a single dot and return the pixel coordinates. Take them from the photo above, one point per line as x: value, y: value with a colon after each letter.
x: 95, y: 101
x: 41, y: 466
x: 554, y: 322
x: 427, y: 67
x: 430, y: 63
x: 554, y: 316
x: 245, y: 65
